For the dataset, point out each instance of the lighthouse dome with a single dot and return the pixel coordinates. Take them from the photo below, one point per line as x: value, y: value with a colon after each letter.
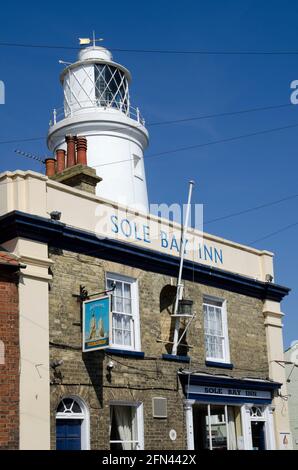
x: 95, y: 52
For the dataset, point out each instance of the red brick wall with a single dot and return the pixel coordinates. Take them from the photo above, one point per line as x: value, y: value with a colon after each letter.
x: 9, y: 371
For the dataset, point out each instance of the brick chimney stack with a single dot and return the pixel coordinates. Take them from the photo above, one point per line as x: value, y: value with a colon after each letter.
x: 71, y: 168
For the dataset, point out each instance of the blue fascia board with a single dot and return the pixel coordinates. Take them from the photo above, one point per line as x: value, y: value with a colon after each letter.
x: 227, y: 400
x: 171, y: 357
x: 222, y: 365
x: 125, y: 353
x: 214, y: 380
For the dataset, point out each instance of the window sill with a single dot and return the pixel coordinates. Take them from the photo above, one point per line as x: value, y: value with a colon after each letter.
x: 222, y: 365
x: 125, y: 353
x: 171, y: 357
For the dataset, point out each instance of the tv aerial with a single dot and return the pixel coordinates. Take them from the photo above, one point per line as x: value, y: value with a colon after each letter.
x: 31, y: 156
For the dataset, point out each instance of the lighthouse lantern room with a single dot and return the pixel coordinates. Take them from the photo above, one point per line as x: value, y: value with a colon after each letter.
x: 97, y: 106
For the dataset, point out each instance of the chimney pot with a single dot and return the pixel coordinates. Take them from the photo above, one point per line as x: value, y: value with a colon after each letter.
x: 71, y: 150
x: 82, y: 150
x: 50, y: 166
x: 60, y: 155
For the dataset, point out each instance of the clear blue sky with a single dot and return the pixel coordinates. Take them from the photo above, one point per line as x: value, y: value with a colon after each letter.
x: 230, y: 176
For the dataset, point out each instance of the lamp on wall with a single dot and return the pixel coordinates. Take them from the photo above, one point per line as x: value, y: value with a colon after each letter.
x: 56, y: 363
x: 185, y: 308
x: 110, y: 366
x: 55, y: 215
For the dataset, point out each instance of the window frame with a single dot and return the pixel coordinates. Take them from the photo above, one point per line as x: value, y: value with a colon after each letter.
x: 139, y: 416
x: 207, y: 299
x: 135, y: 313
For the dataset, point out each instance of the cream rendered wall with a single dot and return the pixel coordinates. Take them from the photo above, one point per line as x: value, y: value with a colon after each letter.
x: 273, y: 324
x: 34, y: 344
x: 24, y: 191
x: 291, y: 356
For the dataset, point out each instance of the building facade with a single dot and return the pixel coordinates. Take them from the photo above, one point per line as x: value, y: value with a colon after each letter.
x: 83, y: 230
x: 291, y: 365
x: 226, y: 374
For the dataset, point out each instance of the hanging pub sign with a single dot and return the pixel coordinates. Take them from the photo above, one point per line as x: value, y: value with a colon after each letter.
x: 96, y: 324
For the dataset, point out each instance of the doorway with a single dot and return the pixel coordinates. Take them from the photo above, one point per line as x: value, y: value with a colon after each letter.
x: 72, y: 424
x: 68, y: 434
x: 258, y: 435
x: 258, y: 428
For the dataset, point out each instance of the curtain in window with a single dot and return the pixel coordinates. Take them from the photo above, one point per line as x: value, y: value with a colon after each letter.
x: 123, y: 415
x: 121, y: 329
x: 231, y: 429
x: 214, y: 340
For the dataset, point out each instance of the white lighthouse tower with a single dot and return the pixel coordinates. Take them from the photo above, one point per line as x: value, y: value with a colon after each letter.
x: 97, y: 106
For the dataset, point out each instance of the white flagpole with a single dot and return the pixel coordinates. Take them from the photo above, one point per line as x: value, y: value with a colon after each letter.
x: 179, y: 293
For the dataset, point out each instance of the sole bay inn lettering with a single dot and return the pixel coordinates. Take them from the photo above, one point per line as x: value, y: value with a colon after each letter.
x: 227, y: 391
x: 137, y: 232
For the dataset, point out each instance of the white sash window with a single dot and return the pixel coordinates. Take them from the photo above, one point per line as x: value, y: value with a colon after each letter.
x: 216, y: 330
x: 125, y: 312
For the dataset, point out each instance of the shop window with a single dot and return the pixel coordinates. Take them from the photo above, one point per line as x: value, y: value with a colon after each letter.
x: 125, y: 312
x: 72, y: 425
x: 216, y: 330
x: 231, y: 427
x: 126, y: 426
x: 216, y: 427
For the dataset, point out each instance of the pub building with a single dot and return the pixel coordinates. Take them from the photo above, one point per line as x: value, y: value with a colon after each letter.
x: 134, y: 376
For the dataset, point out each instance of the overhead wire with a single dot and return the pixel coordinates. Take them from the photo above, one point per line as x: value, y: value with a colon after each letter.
x: 251, y: 209
x: 158, y: 51
x: 205, y: 144
x: 271, y: 234
x: 173, y: 121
